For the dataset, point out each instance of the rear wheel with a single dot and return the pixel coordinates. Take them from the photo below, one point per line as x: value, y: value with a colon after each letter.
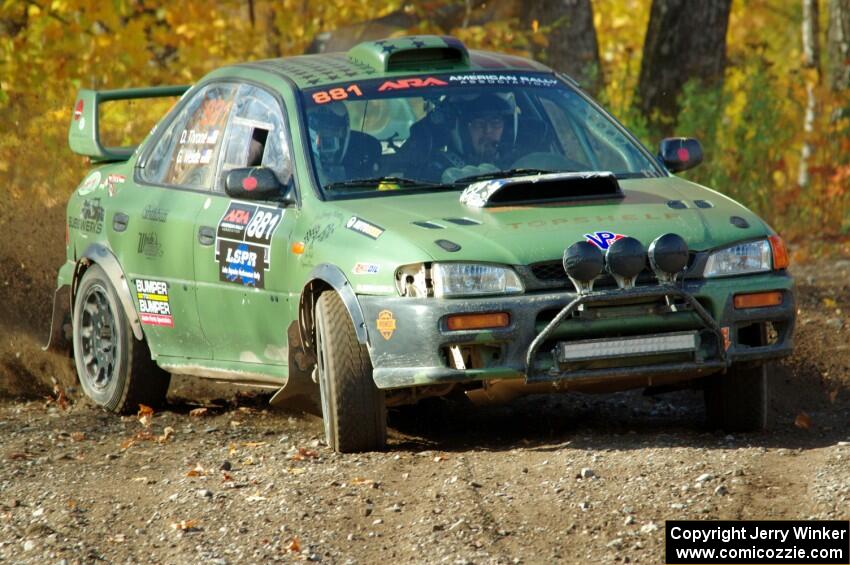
x: 114, y: 369
x: 353, y: 408
x: 738, y: 400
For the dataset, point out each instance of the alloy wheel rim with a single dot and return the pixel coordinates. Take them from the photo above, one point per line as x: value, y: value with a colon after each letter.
x: 98, y: 335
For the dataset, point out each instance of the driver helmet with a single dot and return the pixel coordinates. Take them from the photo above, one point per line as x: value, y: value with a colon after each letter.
x: 329, y: 132
x: 480, y: 112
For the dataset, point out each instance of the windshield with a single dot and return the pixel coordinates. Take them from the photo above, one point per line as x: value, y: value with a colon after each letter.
x: 444, y: 131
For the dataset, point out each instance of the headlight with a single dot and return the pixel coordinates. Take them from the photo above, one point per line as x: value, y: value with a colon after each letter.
x: 473, y: 279
x: 741, y: 259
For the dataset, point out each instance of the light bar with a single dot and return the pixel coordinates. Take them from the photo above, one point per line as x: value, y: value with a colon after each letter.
x: 588, y: 350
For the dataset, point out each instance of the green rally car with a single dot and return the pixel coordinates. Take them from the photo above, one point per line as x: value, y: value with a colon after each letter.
x: 405, y: 220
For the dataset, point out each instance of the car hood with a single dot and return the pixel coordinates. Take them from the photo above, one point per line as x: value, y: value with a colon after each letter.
x: 448, y: 230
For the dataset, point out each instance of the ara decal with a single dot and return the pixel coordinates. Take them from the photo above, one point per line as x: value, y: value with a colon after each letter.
x: 406, y: 83
x: 603, y: 239
x: 243, y: 243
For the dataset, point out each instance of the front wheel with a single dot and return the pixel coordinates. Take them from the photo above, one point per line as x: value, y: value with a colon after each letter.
x: 114, y: 369
x: 353, y: 408
x: 738, y: 400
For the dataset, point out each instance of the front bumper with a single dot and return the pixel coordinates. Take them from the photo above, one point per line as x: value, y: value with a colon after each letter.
x: 409, y: 340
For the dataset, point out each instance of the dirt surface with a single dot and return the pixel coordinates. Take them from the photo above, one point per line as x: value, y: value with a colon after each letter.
x: 566, y: 478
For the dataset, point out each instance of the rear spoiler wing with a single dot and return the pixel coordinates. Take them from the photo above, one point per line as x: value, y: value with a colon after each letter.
x: 84, y: 133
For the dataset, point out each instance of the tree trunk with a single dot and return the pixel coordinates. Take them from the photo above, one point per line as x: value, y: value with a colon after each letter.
x: 572, y: 47
x: 684, y: 40
x: 811, y: 56
x: 838, y: 40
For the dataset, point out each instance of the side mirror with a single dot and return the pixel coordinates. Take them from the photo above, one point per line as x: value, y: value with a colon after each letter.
x: 258, y: 183
x: 680, y: 153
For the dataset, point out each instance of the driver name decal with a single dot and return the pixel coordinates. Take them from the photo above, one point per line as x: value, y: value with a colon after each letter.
x: 243, y: 243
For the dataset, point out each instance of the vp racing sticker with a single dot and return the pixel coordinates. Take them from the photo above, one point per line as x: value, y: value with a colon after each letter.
x: 154, y: 308
x: 603, y: 239
x: 243, y: 243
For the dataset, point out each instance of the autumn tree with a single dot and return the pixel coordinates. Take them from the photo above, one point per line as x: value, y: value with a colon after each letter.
x: 570, y: 46
x: 684, y: 40
x: 838, y: 41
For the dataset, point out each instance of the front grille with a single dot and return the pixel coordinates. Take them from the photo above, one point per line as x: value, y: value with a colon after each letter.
x: 549, y: 271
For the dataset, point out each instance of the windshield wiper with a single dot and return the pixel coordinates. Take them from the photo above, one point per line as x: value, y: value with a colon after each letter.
x: 377, y: 181
x: 505, y: 174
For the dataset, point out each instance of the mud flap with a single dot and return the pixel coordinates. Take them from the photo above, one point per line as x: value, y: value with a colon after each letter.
x: 59, y: 340
x: 300, y: 391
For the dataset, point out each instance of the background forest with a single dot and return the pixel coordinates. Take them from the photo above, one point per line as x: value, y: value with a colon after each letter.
x: 764, y: 84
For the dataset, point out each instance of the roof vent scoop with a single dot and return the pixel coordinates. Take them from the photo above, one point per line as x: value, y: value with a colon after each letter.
x: 412, y: 53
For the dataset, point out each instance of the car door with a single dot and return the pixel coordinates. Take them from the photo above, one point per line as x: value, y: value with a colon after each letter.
x: 241, y: 264
x: 175, y: 180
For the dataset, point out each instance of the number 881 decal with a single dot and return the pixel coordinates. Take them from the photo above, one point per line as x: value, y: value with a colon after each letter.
x: 243, y: 243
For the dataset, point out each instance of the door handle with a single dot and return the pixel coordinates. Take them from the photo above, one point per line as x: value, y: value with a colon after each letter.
x: 206, y: 235
x: 120, y: 221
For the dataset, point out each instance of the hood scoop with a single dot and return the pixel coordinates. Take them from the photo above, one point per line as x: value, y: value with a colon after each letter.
x: 545, y: 188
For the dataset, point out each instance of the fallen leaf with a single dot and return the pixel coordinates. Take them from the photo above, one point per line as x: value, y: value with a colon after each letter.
x: 803, y: 421
x: 248, y: 460
x: 235, y: 423
x: 439, y: 458
x: 78, y: 436
x: 829, y: 303
x: 294, y: 545
x: 184, y: 525
x: 253, y: 443
x: 232, y: 449
x: 303, y: 454
x: 357, y: 481
x: 198, y: 471
x: 61, y: 399
x: 145, y: 415
x: 198, y: 412
x: 225, y: 476
x: 18, y: 456
x: 166, y: 433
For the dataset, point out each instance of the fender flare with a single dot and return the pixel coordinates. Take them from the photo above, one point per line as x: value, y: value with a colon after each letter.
x: 332, y: 277
x: 101, y: 255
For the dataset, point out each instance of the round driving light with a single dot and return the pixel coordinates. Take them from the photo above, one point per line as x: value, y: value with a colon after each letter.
x: 668, y: 255
x: 625, y: 259
x: 583, y: 261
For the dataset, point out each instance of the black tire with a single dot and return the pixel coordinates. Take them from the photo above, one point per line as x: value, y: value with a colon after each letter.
x: 353, y: 408
x: 738, y: 401
x: 115, y: 370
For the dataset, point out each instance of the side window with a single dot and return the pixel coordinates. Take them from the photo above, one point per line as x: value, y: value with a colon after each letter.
x: 256, y: 137
x: 187, y: 152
